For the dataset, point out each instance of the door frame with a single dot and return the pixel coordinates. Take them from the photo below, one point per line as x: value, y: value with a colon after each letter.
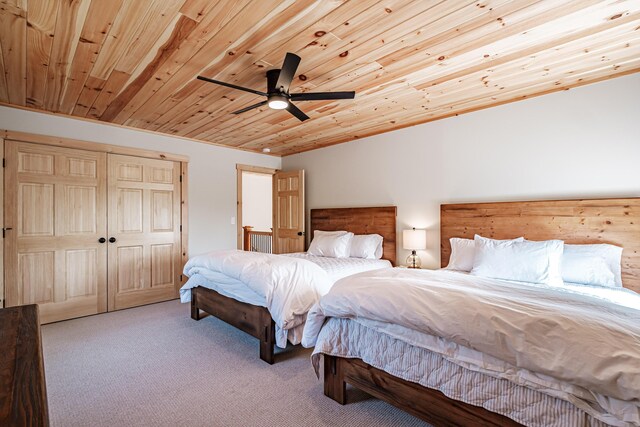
x: 240, y: 168
x: 106, y: 148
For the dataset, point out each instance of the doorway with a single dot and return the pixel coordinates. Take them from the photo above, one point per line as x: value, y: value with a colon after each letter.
x: 286, y: 208
x: 255, y: 201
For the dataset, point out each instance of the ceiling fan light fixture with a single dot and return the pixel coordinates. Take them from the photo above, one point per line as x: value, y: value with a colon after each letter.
x: 278, y: 102
x: 278, y: 84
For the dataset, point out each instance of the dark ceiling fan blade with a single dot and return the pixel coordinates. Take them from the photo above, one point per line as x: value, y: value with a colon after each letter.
x: 288, y: 70
x: 250, y: 107
x: 320, y: 96
x: 207, y: 79
x: 297, y: 112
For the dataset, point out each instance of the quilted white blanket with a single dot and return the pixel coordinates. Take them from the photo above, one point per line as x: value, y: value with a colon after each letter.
x: 290, y: 286
x: 573, y: 337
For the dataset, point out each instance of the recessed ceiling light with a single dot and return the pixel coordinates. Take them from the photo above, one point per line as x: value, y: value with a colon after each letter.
x: 266, y: 150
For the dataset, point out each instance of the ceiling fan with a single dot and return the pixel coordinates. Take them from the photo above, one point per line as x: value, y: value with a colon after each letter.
x: 278, y: 96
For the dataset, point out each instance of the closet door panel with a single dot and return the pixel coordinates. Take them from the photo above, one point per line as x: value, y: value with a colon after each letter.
x: 144, y: 220
x: 56, y: 206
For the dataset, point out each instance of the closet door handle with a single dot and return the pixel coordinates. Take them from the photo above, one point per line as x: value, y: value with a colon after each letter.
x: 102, y: 240
x: 112, y: 239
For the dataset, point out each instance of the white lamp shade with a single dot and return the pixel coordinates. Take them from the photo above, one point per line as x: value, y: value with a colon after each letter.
x: 414, y: 239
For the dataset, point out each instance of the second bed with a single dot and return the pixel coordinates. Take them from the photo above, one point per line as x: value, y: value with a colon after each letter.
x: 268, y: 296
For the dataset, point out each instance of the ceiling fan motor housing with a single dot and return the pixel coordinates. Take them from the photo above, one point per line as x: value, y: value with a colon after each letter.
x: 272, y: 79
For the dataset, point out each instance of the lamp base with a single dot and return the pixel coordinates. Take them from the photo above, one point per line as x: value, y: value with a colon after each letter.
x: 413, y: 260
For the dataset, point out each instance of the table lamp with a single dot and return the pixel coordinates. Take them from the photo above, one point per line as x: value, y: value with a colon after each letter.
x: 414, y: 240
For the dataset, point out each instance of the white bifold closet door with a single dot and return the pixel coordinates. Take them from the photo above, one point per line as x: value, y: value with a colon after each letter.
x: 88, y: 232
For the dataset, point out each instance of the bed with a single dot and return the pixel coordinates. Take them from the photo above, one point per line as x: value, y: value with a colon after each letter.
x: 459, y: 394
x: 242, y: 308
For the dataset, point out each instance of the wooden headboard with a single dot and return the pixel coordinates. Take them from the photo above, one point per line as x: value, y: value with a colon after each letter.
x: 380, y: 220
x: 614, y: 221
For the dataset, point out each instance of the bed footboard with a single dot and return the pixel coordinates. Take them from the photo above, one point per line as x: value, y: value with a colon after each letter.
x: 252, y: 319
x: 422, y: 402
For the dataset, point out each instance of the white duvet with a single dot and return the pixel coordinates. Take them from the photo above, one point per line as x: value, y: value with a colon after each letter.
x: 289, y: 286
x: 578, y: 340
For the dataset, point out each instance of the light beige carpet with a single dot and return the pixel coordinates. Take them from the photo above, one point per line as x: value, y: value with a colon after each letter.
x: 154, y: 366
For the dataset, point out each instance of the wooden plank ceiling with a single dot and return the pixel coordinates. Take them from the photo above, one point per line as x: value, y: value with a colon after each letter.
x: 135, y: 62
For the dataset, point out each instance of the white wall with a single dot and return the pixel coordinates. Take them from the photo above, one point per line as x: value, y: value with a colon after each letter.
x: 212, y: 169
x: 579, y: 143
x: 257, y: 199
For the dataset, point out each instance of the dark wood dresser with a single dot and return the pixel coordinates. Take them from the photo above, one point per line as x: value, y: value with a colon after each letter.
x: 23, y: 393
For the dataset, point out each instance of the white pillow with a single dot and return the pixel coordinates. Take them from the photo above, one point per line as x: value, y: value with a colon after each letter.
x: 331, y: 245
x: 368, y: 246
x: 598, y: 264
x: 587, y: 270
x: 463, y: 252
x: 532, y: 262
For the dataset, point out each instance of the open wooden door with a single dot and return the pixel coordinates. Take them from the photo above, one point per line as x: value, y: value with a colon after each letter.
x: 288, y: 212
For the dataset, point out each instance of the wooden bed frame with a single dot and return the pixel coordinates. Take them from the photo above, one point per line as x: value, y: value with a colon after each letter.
x: 615, y: 221
x: 256, y: 320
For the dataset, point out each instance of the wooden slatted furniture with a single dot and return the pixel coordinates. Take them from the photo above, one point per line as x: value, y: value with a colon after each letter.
x: 614, y: 221
x: 23, y: 393
x: 256, y: 320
